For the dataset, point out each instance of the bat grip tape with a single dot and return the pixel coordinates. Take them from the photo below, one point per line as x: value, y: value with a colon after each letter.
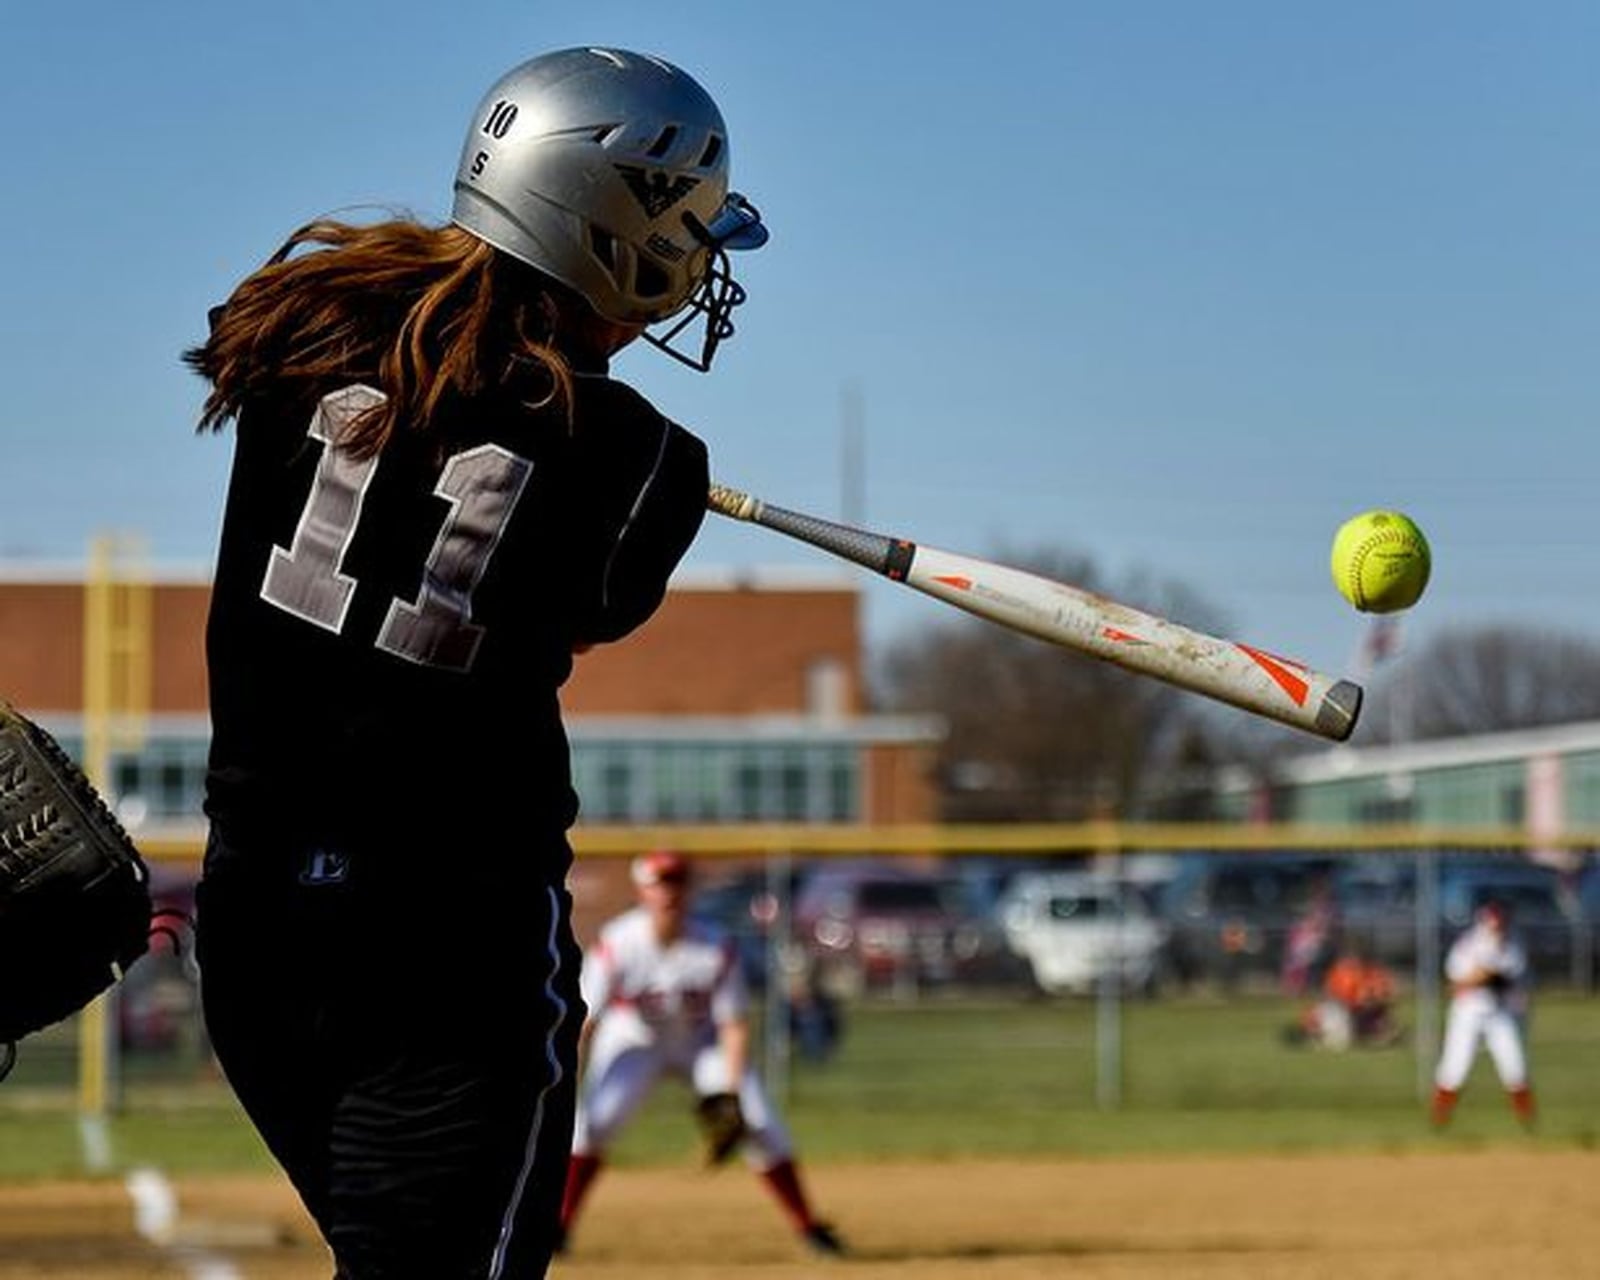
x: 888, y: 556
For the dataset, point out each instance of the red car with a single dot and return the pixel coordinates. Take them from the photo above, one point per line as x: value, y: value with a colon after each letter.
x: 887, y: 925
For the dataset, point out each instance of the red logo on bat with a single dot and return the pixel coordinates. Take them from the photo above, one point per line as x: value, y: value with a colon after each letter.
x: 1122, y: 637
x: 956, y: 581
x: 1278, y: 669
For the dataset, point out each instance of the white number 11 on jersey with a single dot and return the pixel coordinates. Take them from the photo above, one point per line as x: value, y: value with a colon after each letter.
x: 482, y: 486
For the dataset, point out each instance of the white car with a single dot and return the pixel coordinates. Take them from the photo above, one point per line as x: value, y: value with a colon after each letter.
x: 1075, y: 928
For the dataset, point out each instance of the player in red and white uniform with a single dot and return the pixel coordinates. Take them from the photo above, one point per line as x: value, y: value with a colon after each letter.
x: 665, y: 996
x: 1488, y: 969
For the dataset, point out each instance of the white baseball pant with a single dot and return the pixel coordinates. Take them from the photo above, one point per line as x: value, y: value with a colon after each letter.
x: 624, y: 1064
x: 1476, y: 1015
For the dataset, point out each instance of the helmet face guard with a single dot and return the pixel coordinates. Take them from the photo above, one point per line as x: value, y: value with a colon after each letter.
x: 737, y: 226
x: 608, y: 171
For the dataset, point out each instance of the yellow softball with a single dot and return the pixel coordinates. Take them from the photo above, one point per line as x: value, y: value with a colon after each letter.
x: 1381, y: 561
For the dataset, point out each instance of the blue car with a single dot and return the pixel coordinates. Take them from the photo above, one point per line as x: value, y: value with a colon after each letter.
x: 1378, y: 902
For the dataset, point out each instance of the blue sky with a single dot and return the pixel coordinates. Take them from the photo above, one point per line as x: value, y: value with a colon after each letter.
x: 1180, y: 286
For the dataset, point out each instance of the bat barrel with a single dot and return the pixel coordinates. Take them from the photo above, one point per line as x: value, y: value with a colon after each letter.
x: 1251, y: 679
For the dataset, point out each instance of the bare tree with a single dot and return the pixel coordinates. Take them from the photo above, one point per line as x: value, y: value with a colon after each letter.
x: 1034, y: 732
x: 1477, y: 680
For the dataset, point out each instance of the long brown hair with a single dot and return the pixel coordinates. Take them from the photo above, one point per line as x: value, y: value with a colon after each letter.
x: 430, y: 312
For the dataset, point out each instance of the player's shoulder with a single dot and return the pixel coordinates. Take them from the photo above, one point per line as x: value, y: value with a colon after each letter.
x: 600, y: 392
x: 600, y: 403
x: 609, y: 413
x: 624, y: 927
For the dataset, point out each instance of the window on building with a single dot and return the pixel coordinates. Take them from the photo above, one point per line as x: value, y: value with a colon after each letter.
x: 841, y: 788
x: 163, y: 781
x: 1513, y: 804
x: 717, y: 782
x: 701, y: 775
x: 171, y: 789
x: 1381, y: 810
x: 747, y: 791
x: 794, y: 782
x: 616, y: 789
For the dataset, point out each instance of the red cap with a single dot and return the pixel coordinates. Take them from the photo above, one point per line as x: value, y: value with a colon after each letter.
x: 660, y: 866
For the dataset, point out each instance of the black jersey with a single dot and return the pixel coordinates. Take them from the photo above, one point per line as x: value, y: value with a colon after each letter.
x: 387, y: 636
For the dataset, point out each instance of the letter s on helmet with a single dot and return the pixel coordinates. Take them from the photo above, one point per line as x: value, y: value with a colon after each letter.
x: 608, y: 170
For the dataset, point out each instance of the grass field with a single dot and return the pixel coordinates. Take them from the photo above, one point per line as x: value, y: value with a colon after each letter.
x: 947, y: 1079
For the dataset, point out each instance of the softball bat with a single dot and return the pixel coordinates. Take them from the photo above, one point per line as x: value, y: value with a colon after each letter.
x: 1240, y: 675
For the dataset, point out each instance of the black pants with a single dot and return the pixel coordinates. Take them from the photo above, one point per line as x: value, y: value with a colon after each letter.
x: 407, y: 1052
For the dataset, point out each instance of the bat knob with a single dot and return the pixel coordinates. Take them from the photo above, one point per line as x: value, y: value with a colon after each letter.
x: 730, y: 502
x: 1341, y: 707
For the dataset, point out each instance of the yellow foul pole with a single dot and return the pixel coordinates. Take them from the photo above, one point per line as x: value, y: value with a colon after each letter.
x: 116, y: 703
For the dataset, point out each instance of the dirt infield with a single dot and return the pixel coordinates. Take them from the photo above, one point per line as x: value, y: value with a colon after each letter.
x: 1491, y: 1213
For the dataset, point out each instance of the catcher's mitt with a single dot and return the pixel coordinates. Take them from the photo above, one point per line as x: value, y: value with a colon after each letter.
x: 75, y: 906
x: 722, y: 1126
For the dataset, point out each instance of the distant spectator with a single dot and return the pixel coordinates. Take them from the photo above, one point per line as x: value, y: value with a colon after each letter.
x: 815, y: 1019
x: 1357, y: 1008
x: 1309, y: 946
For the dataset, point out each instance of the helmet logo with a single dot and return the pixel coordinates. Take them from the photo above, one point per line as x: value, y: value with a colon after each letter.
x: 659, y: 245
x: 655, y: 191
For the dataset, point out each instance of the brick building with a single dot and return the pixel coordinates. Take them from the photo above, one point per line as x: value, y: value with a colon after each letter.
x: 742, y: 700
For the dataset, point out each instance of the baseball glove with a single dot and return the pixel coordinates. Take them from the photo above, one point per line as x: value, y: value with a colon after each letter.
x: 722, y: 1126
x: 75, y: 907
x: 1497, y: 983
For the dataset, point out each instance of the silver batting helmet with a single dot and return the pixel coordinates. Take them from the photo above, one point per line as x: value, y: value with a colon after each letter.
x: 608, y: 170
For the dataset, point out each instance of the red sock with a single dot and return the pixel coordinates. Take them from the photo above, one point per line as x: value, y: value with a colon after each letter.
x: 784, y: 1180
x: 1444, y: 1102
x: 1522, y: 1104
x: 581, y: 1171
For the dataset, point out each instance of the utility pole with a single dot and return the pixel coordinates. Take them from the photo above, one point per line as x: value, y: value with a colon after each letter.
x: 852, y: 459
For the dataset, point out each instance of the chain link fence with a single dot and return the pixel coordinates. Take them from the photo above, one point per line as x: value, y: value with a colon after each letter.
x: 830, y: 925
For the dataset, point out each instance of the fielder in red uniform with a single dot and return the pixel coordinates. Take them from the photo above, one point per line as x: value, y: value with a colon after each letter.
x: 666, y: 997
x: 1489, y: 977
x: 437, y: 496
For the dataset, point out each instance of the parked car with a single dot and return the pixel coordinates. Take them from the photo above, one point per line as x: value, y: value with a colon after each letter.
x: 1230, y: 916
x: 870, y: 926
x: 987, y: 879
x: 1075, y: 929
x: 1378, y: 903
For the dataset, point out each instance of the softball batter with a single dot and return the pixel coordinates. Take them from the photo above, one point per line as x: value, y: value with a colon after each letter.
x: 438, y: 495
